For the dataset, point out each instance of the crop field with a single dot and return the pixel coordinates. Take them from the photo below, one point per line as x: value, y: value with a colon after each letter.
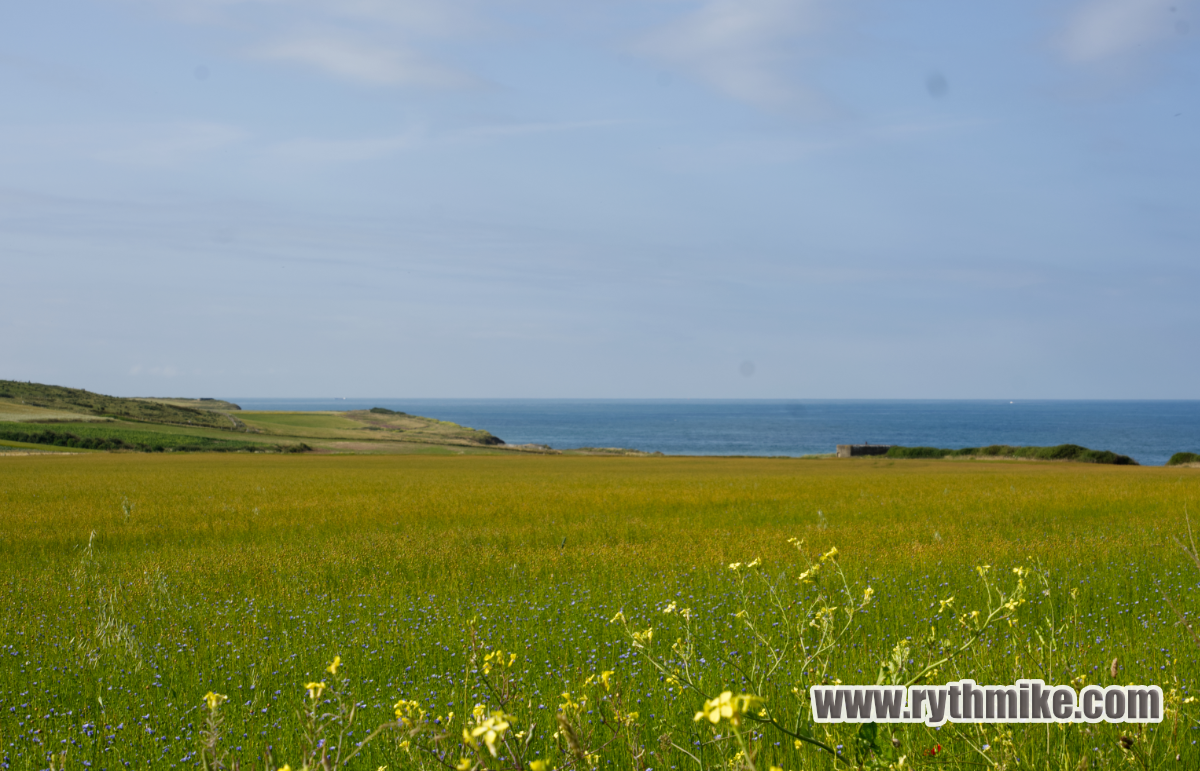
x: 182, y: 611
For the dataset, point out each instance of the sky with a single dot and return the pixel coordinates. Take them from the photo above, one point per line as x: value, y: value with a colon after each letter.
x: 602, y: 199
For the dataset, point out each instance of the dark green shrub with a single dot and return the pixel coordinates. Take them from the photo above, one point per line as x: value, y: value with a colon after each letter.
x: 1180, y: 458
x: 1071, y: 452
x: 916, y: 452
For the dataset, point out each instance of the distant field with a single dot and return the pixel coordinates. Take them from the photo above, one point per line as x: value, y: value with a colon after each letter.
x: 7, y: 445
x: 127, y: 436
x: 246, y: 575
x: 13, y: 411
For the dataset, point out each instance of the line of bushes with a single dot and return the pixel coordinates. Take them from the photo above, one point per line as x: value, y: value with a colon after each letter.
x: 1059, y: 452
x: 1179, y: 458
x: 68, y: 439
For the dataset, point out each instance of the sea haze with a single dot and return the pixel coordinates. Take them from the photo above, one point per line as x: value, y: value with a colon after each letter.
x: 1148, y: 431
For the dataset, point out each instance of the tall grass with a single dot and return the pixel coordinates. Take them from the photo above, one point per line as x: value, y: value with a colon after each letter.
x: 245, y: 577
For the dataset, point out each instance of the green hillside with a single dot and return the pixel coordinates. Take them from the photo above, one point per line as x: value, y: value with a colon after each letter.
x: 54, y: 416
x: 77, y: 400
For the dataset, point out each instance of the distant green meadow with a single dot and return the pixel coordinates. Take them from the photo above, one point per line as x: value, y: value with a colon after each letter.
x: 538, y: 605
x: 121, y: 436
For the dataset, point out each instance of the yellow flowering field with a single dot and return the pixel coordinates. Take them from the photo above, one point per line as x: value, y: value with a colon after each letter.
x: 543, y: 612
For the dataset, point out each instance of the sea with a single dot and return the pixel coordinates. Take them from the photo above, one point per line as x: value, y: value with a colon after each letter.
x: 1148, y: 431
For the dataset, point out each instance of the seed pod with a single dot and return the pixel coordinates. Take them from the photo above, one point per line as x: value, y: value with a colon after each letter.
x: 1112, y: 669
x: 1126, y: 742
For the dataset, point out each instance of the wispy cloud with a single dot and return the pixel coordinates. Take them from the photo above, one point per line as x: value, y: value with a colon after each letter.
x: 174, y: 145
x: 375, y: 148
x: 379, y: 42
x: 521, y: 129
x: 350, y: 57
x: 1105, y: 28
x: 742, y: 48
x: 345, y: 150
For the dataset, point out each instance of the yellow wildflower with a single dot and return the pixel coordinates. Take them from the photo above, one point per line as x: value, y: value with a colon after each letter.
x: 214, y: 700
x: 315, y: 690
x: 830, y: 555
x: 867, y: 595
x: 619, y: 617
x: 604, y: 678
x: 332, y: 668
x: 537, y: 765
x: 464, y: 764
x: 728, y: 707
x: 946, y: 603
x: 491, y: 729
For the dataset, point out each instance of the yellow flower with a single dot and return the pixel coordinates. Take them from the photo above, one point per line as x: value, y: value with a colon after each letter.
x: 332, y: 668
x: 409, y: 713
x: 757, y: 561
x: 728, y: 707
x: 512, y: 659
x: 776, y: 768
x: 619, y: 617
x: 214, y: 700
x: 830, y: 555
x: 463, y: 764
x: 867, y: 594
x: 604, y: 677
x: 315, y: 690
x: 537, y: 765
x: 735, y: 566
x: 982, y: 570
x: 491, y: 729
x: 946, y: 603
x: 670, y: 608
x: 285, y: 768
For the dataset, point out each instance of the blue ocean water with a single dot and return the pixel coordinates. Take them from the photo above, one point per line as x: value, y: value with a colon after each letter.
x: 1148, y: 431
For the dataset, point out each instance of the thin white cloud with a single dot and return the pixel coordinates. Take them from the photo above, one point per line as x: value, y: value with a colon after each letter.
x: 308, y: 150
x: 1101, y: 29
x: 148, y: 144
x: 355, y: 59
x: 345, y: 150
x: 521, y: 129
x: 742, y: 48
x: 379, y: 42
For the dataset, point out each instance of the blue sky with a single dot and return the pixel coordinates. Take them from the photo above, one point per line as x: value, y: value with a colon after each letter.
x: 629, y: 198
